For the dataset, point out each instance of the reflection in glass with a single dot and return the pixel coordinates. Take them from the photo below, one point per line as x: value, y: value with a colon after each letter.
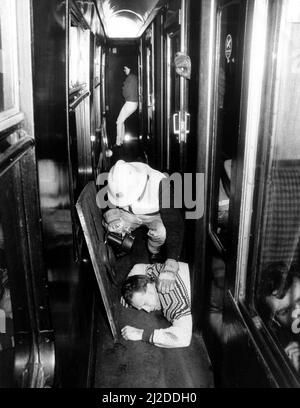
x: 79, y: 55
x: 227, y: 108
x: 149, y: 70
x: 279, y: 304
x: 278, y: 291
x: 174, y: 158
x: 97, y: 88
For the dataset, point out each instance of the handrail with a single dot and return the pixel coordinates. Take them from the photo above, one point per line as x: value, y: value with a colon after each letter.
x: 76, y: 89
x: 14, y: 153
x: 79, y: 99
x: 77, y: 15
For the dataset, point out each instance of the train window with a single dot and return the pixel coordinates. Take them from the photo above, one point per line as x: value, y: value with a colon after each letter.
x: 97, y: 87
x: 277, y: 293
x: 150, y: 73
x: 8, y: 61
x: 79, y: 91
x: 229, y: 56
x: 79, y: 55
x: 103, y: 100
x: 172, y: 99
x: 97, y: 65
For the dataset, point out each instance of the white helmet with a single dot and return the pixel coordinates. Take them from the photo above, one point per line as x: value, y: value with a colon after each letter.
x: 126, y: 182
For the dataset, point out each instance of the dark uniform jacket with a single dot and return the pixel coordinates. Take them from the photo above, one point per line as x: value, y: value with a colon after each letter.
x: 130, y: 88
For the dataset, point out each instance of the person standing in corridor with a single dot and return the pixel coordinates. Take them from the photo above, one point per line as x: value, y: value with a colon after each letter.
x: 130, y: 93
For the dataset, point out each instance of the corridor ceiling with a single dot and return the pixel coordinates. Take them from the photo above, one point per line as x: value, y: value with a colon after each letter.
x: 127, y: 18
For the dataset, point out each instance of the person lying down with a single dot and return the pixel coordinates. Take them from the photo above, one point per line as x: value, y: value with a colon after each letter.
x: 139, y: 290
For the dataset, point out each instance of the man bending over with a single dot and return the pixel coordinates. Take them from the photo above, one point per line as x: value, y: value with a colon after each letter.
x: 140, y: 291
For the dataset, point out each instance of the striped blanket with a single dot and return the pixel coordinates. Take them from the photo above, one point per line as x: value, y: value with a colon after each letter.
x: 176, y: 303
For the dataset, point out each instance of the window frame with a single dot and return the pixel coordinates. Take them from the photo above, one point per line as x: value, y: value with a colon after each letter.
x: 23, y: 112
x: 215, y: 142
x: 12, y: 116
x: 270, y: 350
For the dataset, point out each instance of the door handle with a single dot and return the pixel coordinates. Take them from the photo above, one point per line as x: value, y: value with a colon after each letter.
x: 185, y: 126
x: 187, y: 123
x: 181, y: 125
x: 176, y: 123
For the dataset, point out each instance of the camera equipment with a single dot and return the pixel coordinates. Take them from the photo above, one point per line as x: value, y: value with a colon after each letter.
x: 123, y: 243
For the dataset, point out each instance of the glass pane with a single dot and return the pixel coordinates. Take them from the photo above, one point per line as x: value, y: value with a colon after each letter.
x: 7, y: 55
x: 6, y: 320
x: 97, y: 65
x: 278, y: 292
x: 103, y: 100
x: 79, y: 57
x: 227, y: 107
x: 97, y: 85
x: 173, y: 101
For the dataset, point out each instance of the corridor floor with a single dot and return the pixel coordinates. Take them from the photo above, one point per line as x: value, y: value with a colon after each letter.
x: 130, y: 364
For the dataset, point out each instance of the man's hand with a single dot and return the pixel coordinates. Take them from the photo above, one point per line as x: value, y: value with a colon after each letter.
x: 154, y: 234
x: 116, y: 226
x: 112, y: 221
x: 167, y: 277
x: 293, y: 352
x: 132, y: 333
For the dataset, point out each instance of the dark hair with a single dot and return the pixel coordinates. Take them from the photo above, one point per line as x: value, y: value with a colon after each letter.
x: 276, y: 279
x: 135, y: 283
x: 133, y: 68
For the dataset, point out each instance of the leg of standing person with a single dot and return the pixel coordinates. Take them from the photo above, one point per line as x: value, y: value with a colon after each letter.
x: 127, y: 110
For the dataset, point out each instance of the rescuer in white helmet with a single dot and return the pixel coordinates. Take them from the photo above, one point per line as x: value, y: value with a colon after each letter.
x: 137, y: 191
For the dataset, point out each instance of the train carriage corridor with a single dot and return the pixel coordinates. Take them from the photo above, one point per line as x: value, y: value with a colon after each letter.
x: 101, y: 102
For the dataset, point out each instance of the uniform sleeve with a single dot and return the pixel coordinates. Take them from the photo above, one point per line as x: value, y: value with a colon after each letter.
x: 177, y: 335
x: 172, y: 219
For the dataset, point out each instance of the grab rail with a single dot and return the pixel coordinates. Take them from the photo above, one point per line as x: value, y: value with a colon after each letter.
x: 14, y: 153
x: 79, y: 99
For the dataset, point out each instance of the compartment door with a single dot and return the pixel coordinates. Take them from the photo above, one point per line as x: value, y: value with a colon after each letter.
x: 176, y: 103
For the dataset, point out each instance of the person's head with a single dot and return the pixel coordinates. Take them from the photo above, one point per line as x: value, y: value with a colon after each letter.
x: 280, y: 289
x: 140, y: 292
x: 126, y: 183
x: 130, y: 68
x: 127, y: 69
